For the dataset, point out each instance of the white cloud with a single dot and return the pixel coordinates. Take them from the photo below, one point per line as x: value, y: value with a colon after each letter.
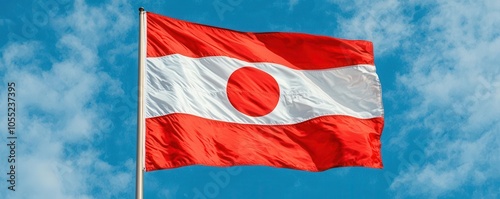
x: 59, y: 116
x: 453, y: 87
x: 382, y: 22
x: 456, y: 79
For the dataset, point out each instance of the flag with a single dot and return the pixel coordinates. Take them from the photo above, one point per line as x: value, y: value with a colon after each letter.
x: 220, y: 97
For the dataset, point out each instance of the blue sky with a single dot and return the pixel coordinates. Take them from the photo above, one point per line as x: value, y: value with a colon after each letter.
x: 75, y: 69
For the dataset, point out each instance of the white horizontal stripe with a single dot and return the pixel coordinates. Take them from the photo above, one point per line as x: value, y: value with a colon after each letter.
x: 197, y: 86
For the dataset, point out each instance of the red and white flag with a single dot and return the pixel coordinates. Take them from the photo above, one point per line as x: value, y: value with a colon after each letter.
x: 220, y: 97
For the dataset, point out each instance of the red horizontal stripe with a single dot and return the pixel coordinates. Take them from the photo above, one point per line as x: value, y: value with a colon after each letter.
x: 318, y: 144
x: 166, y: 36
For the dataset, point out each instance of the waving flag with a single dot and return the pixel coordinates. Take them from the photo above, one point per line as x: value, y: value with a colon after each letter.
x: 220, y: 97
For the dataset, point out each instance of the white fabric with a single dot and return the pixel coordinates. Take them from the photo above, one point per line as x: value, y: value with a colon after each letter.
x: 197, y: 86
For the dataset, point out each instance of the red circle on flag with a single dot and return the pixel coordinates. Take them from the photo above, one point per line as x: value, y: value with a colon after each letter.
x: 252, y: 91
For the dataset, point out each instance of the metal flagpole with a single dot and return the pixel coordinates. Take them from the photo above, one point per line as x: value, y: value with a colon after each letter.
x: 140, y: 112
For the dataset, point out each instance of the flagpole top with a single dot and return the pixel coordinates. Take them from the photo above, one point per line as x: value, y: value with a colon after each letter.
x: 141, y: 9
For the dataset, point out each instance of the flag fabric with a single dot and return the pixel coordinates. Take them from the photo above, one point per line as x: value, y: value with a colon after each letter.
x: 220, y: 97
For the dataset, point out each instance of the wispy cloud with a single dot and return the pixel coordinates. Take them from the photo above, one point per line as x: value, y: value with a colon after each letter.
x: 61, y: 116
x: 452, y: 86
x: 382, y: 22
x: 456, y: 79
x: 292, y: 4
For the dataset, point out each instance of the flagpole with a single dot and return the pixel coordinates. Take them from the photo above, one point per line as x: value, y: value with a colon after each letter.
x: 139, y: 189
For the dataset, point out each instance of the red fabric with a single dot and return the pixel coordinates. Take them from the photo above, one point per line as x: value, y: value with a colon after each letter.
x: 167, y: 36
x: 177, y: 140
x: 242, y: 93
